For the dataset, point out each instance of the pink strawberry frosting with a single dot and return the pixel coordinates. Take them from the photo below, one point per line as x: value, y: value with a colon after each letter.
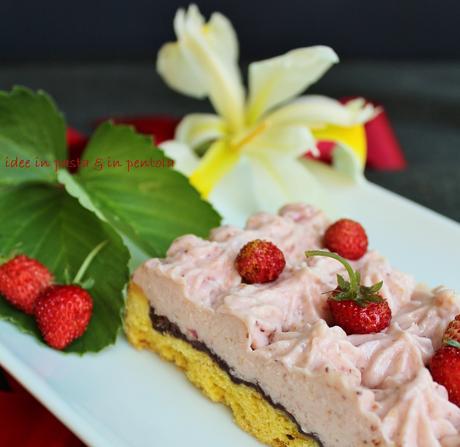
x: 353, y: 390
x: 391, y: 357
x: 429, y: 312
x: 418, y: 413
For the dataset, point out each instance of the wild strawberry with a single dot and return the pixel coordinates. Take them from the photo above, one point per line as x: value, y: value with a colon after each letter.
x: 259, y: 262
x: 354, y: 318
x: 63, y: 313
x: 22, y: 280
x: 445, y: 369
x: 452, y: 333
x: 357, y: 309
x: 346, y: 238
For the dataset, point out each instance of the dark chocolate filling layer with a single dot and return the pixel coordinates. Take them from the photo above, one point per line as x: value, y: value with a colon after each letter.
x: 165, y: 326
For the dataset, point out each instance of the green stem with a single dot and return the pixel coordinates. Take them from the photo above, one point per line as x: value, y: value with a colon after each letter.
x: 351, y: 274
x: 92, y: 254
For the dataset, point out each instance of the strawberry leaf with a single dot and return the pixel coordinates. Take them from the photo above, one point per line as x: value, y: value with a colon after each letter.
x: 148, y: 206
x: 343, y: 285
x: 151, y: 204
x: 376, y: 287
x: 351, y: 290
x: 44, y: 222
x: 32, y: 132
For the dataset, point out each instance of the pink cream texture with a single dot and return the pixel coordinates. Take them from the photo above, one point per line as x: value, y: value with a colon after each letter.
x: 357, y: 390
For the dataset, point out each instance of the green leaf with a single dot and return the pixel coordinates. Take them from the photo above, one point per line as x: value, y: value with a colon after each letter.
x: 150, y: 205
x: 343, y: 296
x: 343, y: 285
x: 32, y: 130
x: 376, y: 287
x: 44, y: 222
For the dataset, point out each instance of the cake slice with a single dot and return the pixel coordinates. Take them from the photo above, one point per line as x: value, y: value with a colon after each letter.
x: 271, y: 353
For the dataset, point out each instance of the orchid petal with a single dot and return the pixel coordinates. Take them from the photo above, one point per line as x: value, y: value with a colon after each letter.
x: 344, y: 160
x: 285, y: 141
x: 233, y: 196
x: 179, y: 72
x: 274, y: 81
x: 179, y: 22
x: 225, y: 89
x: 248, y: 187
x: 329, y: 120
x: 222, y: 37
x: 191, y: 15
x: 198, y: 128
x: 344, y: 169
x: 280, y: 180
x: 194, y: 17
x: 317, y: 111
x: 185, y: 160
x: 203, y: 63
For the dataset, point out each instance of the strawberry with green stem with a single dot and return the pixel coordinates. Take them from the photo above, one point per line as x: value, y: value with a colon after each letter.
x: 63, y: 312
x: 452, y: 333
x: 358, y: 309
x: 445, y: 364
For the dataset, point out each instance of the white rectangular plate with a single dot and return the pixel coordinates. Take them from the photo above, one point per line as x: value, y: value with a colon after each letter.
x: 123, y: 397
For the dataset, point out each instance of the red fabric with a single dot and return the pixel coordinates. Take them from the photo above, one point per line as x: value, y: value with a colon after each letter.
x: 25, y: 422
x: 383, y: 150
x: 325, y: 151
x: 76, y: 142
x: 162, y: 127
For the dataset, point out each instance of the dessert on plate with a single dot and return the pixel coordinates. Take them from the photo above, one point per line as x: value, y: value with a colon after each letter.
x: 305, y: 351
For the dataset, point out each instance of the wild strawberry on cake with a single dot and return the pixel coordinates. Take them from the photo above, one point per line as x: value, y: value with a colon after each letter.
x: 309, y: 337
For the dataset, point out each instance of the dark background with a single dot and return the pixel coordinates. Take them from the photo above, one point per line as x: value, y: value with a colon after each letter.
x: 97, y: 60
x: 107, y: 29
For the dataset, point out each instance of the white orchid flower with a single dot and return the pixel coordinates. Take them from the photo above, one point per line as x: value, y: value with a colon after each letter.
x: 261, y: 134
